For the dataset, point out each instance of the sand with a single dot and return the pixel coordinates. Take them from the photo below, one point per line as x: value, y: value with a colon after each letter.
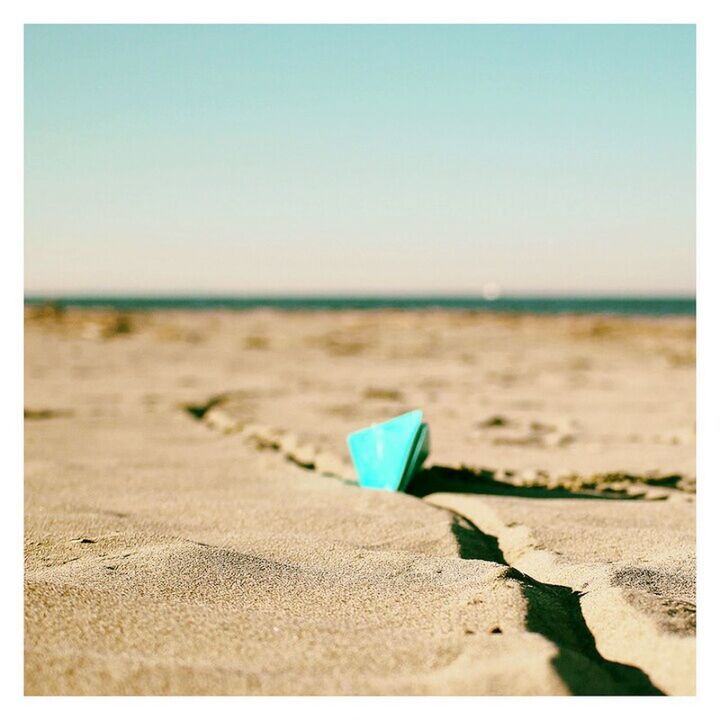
x: 193, y: 527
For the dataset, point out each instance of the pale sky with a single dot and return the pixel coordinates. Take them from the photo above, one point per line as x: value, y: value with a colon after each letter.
x: 359, y: 159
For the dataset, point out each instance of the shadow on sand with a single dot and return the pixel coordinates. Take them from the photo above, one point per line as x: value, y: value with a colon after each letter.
x: 441, y: 479
x: 554, y: 612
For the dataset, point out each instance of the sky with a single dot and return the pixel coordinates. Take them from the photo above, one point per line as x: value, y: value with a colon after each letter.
x: 171, y: 159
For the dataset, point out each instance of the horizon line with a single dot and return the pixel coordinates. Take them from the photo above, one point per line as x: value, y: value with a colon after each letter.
x: 660, y: 294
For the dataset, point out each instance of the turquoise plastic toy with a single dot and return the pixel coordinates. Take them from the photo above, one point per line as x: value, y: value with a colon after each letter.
x: 388, y: 454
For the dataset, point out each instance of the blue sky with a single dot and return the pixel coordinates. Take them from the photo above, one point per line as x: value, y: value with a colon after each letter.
x: 372, y: 159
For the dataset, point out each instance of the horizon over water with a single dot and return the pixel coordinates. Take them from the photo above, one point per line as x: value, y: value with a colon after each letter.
x: 534, y: 304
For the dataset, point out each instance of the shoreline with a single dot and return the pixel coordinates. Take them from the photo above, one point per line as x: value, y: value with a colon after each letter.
x: 631, y: 306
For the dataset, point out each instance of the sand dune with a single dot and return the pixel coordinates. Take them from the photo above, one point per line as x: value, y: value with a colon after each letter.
x: 192, y: 524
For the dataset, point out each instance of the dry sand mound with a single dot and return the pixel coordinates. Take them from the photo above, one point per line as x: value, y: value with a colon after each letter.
x: 226, y: 550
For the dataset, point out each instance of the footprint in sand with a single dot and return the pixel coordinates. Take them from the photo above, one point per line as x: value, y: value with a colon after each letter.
x: 537, y: 433
x: 46, y: 413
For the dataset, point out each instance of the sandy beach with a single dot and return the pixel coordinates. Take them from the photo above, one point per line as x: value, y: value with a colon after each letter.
x: 193, y: 524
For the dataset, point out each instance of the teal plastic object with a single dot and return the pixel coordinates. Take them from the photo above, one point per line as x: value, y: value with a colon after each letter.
x: 388, y: 454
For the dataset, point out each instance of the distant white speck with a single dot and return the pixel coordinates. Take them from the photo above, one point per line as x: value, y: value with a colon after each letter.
x: 491, y: 291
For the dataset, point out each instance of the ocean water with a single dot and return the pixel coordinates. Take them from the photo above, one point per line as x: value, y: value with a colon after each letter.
x: 540, y: 305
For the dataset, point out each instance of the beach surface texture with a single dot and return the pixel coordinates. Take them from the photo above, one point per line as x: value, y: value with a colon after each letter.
x: 193, y: 523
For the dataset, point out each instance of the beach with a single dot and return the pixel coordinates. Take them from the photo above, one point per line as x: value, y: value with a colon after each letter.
x: 193, y: 523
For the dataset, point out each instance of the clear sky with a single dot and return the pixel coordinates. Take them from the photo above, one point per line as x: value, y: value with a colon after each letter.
x: 346, y: 159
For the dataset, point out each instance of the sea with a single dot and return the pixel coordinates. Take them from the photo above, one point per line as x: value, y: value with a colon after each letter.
x: 542, y: 305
